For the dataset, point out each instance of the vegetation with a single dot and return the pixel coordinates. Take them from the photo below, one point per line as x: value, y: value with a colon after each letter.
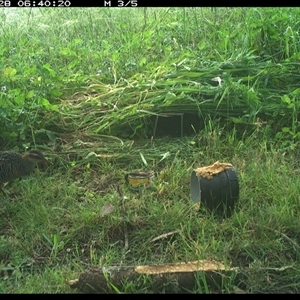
x: 88, y: 86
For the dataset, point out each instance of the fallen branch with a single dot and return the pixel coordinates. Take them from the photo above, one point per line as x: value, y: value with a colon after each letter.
x: 164, y: 235
x: 284, y: 236
x: 123, y: 199
x: 168, y: 278
x: 289, y: 239
x: 281, y: 269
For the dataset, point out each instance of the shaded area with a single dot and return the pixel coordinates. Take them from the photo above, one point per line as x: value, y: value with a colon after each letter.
x: 176, y: 124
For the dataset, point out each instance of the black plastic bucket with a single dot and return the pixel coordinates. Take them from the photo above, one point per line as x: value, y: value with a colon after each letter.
x: 219, y: 193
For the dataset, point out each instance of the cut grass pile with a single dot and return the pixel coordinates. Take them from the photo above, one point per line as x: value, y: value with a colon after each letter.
x: 110, y: 70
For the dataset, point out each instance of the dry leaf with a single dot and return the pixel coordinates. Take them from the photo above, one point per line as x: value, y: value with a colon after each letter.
x: 106, y: 209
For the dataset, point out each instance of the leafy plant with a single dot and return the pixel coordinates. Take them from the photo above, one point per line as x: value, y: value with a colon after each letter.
x: 88, y: 83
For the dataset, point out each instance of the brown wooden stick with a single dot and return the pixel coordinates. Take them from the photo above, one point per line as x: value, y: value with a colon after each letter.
x: 162, y: 236
x: 171, y: 278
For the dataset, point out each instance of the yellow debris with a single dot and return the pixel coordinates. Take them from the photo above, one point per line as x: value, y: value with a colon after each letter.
x: 209, y: 171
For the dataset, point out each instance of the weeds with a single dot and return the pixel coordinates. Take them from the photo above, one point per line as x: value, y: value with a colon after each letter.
x: 83, y: 83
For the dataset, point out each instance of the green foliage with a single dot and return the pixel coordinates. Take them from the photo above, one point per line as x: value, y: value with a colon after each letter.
x: 274, y: 34
x: 79, y: 80
x: 135, y: 63
x: 23, y: 100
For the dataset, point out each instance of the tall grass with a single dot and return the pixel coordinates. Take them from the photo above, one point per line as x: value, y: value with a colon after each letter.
x: 125, y: 65
x: 84, y: 83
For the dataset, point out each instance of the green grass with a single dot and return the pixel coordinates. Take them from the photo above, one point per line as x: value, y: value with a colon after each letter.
x: 54, y: 229
x: 85, y: 85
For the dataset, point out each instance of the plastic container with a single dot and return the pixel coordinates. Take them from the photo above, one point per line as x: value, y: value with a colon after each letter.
x: 216, y: 187
x: 139, y: 179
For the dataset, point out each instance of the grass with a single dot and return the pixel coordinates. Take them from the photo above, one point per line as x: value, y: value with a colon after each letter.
x: 54, y: 229
x: 86, y: 86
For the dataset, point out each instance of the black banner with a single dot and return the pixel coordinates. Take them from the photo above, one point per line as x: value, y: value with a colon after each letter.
x: 101, y: 3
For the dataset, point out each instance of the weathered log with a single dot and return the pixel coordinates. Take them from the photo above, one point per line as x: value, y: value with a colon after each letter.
x: 167, y: 278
